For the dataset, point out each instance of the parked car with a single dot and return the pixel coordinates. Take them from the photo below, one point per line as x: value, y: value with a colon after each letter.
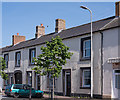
x: 22, y: 90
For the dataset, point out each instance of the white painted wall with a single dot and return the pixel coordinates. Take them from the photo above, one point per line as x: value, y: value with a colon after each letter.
x: 110, y: 50
x: 74, y: 64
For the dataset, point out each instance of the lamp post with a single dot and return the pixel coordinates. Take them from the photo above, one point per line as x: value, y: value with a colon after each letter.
x: 83, y: 7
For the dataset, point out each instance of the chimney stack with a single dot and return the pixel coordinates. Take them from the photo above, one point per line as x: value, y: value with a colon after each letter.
x: 117, y: 9
x: 40, y: 30
x: 60, y: 25
x: 17, y: 38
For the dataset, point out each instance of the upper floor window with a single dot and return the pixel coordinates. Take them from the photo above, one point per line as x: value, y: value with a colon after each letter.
x: 86, y: 48
x: 32, y: 53
x: 6, y: 58
x: 17, y: 59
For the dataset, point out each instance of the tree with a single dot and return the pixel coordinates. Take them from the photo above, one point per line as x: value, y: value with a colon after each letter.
x: 2, y: 68
x: 54, y: 56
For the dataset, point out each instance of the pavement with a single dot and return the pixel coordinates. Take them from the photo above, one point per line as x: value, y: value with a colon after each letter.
x: 45, y: 97
x: 56, y: 96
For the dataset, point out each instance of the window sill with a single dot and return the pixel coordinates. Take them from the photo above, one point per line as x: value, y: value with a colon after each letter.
x: 31, y: 64
x: 85, y: 59
x: 17, y: 66
x: 51, y: 87
x: 84, y: 87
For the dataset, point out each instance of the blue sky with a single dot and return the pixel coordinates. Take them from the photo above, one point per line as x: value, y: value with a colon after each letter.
x: 23, y: 17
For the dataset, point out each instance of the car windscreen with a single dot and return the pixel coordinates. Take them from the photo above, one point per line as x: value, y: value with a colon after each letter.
x: 8, y: 87
x: 17, y: 86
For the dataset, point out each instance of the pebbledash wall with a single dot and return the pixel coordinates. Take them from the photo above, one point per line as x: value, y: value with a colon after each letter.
x: 110, y: 50
x: 105, y: 46
x: 74, y: 64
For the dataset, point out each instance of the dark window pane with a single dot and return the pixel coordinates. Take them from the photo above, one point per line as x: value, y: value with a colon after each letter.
x: 117, y: 71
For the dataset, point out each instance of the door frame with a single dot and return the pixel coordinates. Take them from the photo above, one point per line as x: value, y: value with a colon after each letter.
x: 37, y: 80
x: 18, y: 72
x: 64, y: 73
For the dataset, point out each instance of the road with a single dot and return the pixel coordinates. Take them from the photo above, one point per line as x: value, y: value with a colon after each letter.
x: 11, y: 98
x: 45, y: 98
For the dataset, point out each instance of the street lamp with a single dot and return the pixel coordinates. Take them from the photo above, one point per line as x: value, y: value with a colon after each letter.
x: 83, y: 7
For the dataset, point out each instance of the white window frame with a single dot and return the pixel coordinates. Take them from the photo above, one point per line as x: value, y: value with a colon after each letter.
x: 116, y: 74
x: 86, y: 48
x: 32, y: 55
x: 18, y: 60
x: 6, y: 61
x: 83, y: 78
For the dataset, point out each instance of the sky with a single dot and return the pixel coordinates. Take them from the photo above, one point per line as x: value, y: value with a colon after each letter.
x: 23, y: 17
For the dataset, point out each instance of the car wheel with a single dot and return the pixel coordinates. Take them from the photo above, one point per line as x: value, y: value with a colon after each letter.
x: 16, y: 95
x: 8, y: 95
x: 41, y: 95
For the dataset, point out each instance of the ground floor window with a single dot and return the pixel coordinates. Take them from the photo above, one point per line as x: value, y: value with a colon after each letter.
x: 29, y: 78
x: 85, y: 77
x: 117, y: 79
x: 6, y: 82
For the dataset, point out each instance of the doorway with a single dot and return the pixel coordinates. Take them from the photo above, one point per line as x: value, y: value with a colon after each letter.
x: 67, y: 82
x: 18, y: 77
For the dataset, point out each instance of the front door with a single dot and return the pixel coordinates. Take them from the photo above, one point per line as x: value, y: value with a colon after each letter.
x: 18, y: 78
x: 67, y: 83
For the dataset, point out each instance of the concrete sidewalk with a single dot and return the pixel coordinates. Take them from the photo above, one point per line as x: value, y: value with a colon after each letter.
x: 48, y: 96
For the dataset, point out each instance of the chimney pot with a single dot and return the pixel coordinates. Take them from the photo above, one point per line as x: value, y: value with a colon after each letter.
x: 117, y: 9
x: 41, y: 24
x: 17, y: 33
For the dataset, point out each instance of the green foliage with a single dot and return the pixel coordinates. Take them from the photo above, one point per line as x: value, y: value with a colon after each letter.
x: 54, y: 56
x: 2, y: 68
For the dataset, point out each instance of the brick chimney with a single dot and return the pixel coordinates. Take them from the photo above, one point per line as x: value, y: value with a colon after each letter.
x: 17, y: 38
x: 60, y: 25
x: 117, y: 9
x: 40, y: 30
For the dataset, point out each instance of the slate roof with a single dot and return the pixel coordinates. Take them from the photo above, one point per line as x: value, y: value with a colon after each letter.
x: 103, y: 24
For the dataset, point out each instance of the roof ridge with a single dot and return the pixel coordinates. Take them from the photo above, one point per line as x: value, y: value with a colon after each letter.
x: 92, y: 22
x: 107, y: 24
x: 41, y: 40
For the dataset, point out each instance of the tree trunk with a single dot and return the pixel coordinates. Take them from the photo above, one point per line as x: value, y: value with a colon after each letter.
x: 53, y: 88
x: 30, y: 93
